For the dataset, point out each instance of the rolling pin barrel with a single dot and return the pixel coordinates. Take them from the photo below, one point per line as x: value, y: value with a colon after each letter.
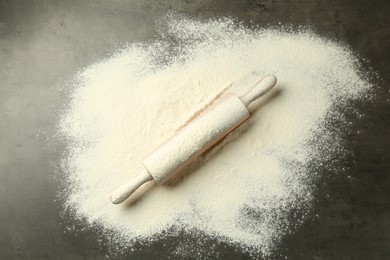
x: 196, y: 137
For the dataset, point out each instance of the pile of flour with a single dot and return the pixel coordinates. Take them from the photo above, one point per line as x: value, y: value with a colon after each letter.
x: 247, y: 190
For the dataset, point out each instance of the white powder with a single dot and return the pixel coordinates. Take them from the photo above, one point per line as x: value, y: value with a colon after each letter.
x: 246, y: 189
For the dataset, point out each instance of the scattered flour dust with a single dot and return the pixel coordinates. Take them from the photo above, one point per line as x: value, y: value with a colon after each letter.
x: 250, y: 190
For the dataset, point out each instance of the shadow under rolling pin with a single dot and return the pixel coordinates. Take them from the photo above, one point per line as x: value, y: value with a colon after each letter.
x: 195, y: 138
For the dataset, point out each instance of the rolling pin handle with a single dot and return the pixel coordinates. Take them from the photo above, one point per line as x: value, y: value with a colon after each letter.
x: 260, y: 89
x: 124, y: 191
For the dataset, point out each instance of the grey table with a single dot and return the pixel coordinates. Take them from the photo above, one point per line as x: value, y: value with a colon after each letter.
x: 45, y: 42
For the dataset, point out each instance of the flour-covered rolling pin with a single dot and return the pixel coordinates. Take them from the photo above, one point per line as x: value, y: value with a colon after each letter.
x: 195, y: 138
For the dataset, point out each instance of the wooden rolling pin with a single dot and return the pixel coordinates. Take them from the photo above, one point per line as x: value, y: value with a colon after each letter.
x: 194, y: 138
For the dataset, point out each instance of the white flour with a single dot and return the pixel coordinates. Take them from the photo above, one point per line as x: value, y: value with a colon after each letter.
x: 245, y: 190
